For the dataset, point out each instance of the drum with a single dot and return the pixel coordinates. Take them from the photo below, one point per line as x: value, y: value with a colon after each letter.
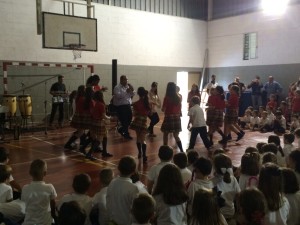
x: 25, y: 105
x: 10, y: 101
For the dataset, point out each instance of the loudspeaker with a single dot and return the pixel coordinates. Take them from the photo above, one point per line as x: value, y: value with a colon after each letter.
x: 114, y: 74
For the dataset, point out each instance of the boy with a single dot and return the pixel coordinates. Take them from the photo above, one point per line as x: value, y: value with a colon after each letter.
x: 121, y: 192
x: 198, y: 123
x: 192, y: 156
x: 279, y: 124
x: 99, y: 200
x: 71, y: 213
x: 81, y: 184
x: 288, y: 147
x: 38, y: 196
x: 180, y: 160
x: 143, y: 208
x: 165, y: 154
x: 6, y: 193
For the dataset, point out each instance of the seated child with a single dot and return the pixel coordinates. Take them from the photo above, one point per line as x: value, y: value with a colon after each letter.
x: 180, y: 160
x: 81, y: 184
x: 264, y: 123
x: 272, y: 104
x: 279, y: 154
x: 269, y: 157
x: 71, y: 213
x: 6, y: 193
x: 192, y: 156
x: 297, y: 136
x: 288, y: 147
x: 138, y: 183
x: 245, y: 120
x: 249, y: 170
x: 271, y: 115
x: 260, y: 111
x: 254, y: 120
x: 294, y: 123
x: 38, y: 196
x: 143, y: 209
x: 279, y: 123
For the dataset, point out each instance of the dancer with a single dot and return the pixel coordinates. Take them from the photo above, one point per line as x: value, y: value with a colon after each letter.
x: 155, y: 103
x: 141, y: 110
x: 172, y: 109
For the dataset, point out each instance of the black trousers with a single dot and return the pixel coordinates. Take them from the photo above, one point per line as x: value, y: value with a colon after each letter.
x: 154, y: 119
x: 124, y: 114
x: 60, y: 107
x: 203, y: 134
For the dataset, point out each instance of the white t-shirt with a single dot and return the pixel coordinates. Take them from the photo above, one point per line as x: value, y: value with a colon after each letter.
x: 294, y: 215
x: 170, y: 214
x: 6, y: 193
x: 254, y: 120
x: 287, y: 149
x: 120, y: 194
x: 186, y: 175
x: 14, y: 210
x: 142, y: 187
x: 246, y: 181
x: 197, y: 116
x: 37, y: 196
x: 83, y: 200
x: 278, y: 217
x: 99, y: 201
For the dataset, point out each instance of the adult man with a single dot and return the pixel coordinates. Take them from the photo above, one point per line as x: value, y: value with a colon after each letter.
x: 211, y: 84
x: 58, y: 92
x: 273, y: 87
x: 241, y: 85
x: 122, y: 99
x: 256, y: 87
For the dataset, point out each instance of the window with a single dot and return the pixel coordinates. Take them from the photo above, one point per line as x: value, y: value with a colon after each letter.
x: 250, y: 46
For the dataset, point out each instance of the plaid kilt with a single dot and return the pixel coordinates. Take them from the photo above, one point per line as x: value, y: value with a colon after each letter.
x: 214, y: 117
x: 139, y: 124
x: 231, y: 116
x: 171, y: 123
x: 81, y: 121
x: 99, y: 128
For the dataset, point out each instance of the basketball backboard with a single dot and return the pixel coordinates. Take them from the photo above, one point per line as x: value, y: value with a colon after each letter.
x: 59, y: 31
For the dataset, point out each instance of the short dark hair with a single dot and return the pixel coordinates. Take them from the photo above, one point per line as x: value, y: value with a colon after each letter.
x: 203, y: 165
x: 196, y: 100
x: 271, y: 147
x: 290, y: 138
x: 3, y: 154
x: 165, y: 153
x: 5, y: 172
x: 105, y: 176
x: 269, y: 157
x: 290, y: 182
x: 81, y: 183
x: 180, y: 160
x: 127, y: 165
x: 295, y: 156
x: 143, y: 208
x: 37, y: 168
x: 71, y: 213
x: 192, y: 156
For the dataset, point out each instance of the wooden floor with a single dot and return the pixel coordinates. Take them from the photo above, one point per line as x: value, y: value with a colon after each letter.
x: 63, y: 165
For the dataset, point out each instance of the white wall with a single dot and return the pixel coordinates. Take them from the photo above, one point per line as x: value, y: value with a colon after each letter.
x: 133, y: 37
x: 278, y: 39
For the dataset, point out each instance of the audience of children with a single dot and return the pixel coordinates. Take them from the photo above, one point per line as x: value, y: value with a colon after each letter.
x: 249, y: 170
x: 143, y: 209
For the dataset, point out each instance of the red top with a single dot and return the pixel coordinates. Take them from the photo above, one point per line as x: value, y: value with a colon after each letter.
x: 192, y: 94
x: 170, y: 107
x: 98, y: 110
x: 79, y: 106
x: 140, y: 109
x: 216, y: 102
x: 233, y: 101
x: 272, y: 105
x: 296, y: 105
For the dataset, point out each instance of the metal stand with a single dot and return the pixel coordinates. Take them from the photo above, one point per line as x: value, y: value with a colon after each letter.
x: 45, y: 109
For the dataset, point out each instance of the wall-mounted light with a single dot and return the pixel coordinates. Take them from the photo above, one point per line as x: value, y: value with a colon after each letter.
x: 274, y: 7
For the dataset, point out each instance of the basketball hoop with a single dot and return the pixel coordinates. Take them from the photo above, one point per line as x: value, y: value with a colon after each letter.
x: 76, y: 49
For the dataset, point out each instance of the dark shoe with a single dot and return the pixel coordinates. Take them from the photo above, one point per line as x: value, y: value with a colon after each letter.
x: 72, y: 146
x: 127, y: 136
x: 106, y: 154
x: 229, y: 137
x: 98, y: 149
x: 145, y: 158
x: 90, y: 157
x: 223, y: 141
x: 240, y: 136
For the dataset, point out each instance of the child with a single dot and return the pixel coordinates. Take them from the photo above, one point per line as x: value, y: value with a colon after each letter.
x: 252, y: 204
x: 155, y: 103
x: 143, y: 209
x: 139, y: 124
x: 197, y: 121
x: 269, y: 157
x: 272, y: 104
x: 6, y: 193
x: 297, y: 135
x: 294, y: 123
x: 180, y: 160
x: 4, y: 161
x: 205, y: 209
x: 138, y: 183
x: 279, y: 123
x: 245, y: 120
x: 261, y: 109
x: 81, y: 184
x: 99, y: 200
x: 172, y: 109
x: 294, y: 163
x: 121, y: 192
x: 259, y: 146
x: 71, y: 213
x: 226, y: 183
x: 203, y: 168
x: 296, y: 103
x: 279, y: 154
x: 192, y: 156
x: 165, y: 154
x: 271, y: 115
x: 170, y: 196
x: 270, y: 184
x: 38, y: 196
x: 249, y: 170
x: 283, y: 107
x: 288, y: 147
x: 292, y: 193
x: 254, y: 120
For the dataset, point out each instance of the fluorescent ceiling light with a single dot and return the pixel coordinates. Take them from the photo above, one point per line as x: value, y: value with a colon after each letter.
x: 274, y: 7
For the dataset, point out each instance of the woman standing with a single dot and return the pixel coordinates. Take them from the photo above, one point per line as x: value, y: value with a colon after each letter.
x: 194, y: 92
x: 172, y: 109
x: 155, y: 104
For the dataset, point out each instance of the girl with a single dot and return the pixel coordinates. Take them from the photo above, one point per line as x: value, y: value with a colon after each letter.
x: 98, y: 129
x: 294, y: 163
x: 194, y: 92
x: 292, y: 193
x: 252, y: 204
x: 215, y: 110
x: 270, y: 184
x: 206, y: 210
x: 141, y: 110
x: 254, y: 120
x: 155, y: 104
x: 231, y: 116
x: 172, y: 109
x: 227, y: 184
x: 170, y: 197
x: 264, y: 124
x: 280, y: 154
x: 249, y: 170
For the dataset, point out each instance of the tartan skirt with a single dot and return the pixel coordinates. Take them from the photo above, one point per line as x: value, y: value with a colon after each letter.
x: 231, y: 116
x: 139, y: 124
x: 214, y: 117
x: 171, y: 123
x: 81, y: 121
x: 99, y: 128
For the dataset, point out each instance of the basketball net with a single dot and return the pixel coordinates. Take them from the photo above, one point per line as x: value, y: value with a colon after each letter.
x: 76, y: 49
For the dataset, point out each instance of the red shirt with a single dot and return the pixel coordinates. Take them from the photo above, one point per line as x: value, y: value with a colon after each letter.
x: 296, y: 105
x: 233, y: 101
x: 98, y: 110
x: 170, y: 107
x: 140, y: 109
x: 80, y: 106
x: 216, y: 102
x: 272, y: 105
